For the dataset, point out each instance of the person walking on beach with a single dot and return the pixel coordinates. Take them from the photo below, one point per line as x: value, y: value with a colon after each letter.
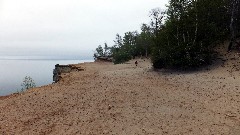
x: 136, y: 63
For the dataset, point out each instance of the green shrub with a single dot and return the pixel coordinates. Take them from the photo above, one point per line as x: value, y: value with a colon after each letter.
x: 28, y: 83
x: 121, y: 57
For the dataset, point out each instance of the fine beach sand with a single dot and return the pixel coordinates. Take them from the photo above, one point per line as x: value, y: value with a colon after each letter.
x: 126, y: 100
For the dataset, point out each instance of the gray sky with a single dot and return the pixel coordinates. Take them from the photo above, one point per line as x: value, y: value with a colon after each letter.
x: 67, y: 28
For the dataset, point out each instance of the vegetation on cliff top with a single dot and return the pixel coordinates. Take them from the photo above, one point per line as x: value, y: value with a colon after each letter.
x: 181, y: 37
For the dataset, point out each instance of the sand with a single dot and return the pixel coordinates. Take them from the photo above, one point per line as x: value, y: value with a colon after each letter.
x: 126, y: 99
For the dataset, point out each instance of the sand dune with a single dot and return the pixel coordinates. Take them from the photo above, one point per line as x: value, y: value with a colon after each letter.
x: 125, y: 99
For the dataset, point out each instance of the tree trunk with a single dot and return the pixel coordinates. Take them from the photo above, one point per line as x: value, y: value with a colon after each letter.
x: 196, y: 26
x: 235, y: 4
x: 146, y: 53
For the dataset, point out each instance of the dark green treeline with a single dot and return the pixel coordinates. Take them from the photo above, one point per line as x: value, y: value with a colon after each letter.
x: 181, y: 37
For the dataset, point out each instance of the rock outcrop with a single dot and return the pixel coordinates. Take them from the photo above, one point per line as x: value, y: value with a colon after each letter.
x: 59, y: 69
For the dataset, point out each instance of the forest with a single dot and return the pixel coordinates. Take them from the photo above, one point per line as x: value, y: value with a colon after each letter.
x: 181, y: 37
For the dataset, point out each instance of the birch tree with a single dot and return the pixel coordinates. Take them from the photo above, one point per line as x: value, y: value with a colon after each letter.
x: 233, y: 23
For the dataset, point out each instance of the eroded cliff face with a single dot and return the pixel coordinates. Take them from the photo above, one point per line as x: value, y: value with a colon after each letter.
x: 59, y: 69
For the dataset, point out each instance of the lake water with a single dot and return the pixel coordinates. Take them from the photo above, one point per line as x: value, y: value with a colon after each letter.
x: 12, y: 72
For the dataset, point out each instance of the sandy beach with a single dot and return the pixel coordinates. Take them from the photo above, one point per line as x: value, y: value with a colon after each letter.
x: 126, y: 99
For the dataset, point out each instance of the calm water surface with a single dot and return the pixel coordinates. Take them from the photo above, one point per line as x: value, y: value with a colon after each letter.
x: 12, y: 72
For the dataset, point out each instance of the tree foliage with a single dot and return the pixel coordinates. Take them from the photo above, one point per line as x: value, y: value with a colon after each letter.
x: 183, y: 36
x: 102, y: 51
x: 98, y: 52
x: 28, y: 83
x: 191, y: 30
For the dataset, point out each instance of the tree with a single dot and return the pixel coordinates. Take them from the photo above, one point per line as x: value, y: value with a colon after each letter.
x: 156, y: 16
x: 98, y: 52
x: 233, y: 24
x: 191, y: 30
x: 121, y: 51
x: 130, y: 43
x: 107, y: 50
x: 118, y: 41
x: 187, y: 36
x: 145, y: 39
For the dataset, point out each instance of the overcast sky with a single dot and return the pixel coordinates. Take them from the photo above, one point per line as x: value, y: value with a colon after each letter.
x: 67, y: 28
